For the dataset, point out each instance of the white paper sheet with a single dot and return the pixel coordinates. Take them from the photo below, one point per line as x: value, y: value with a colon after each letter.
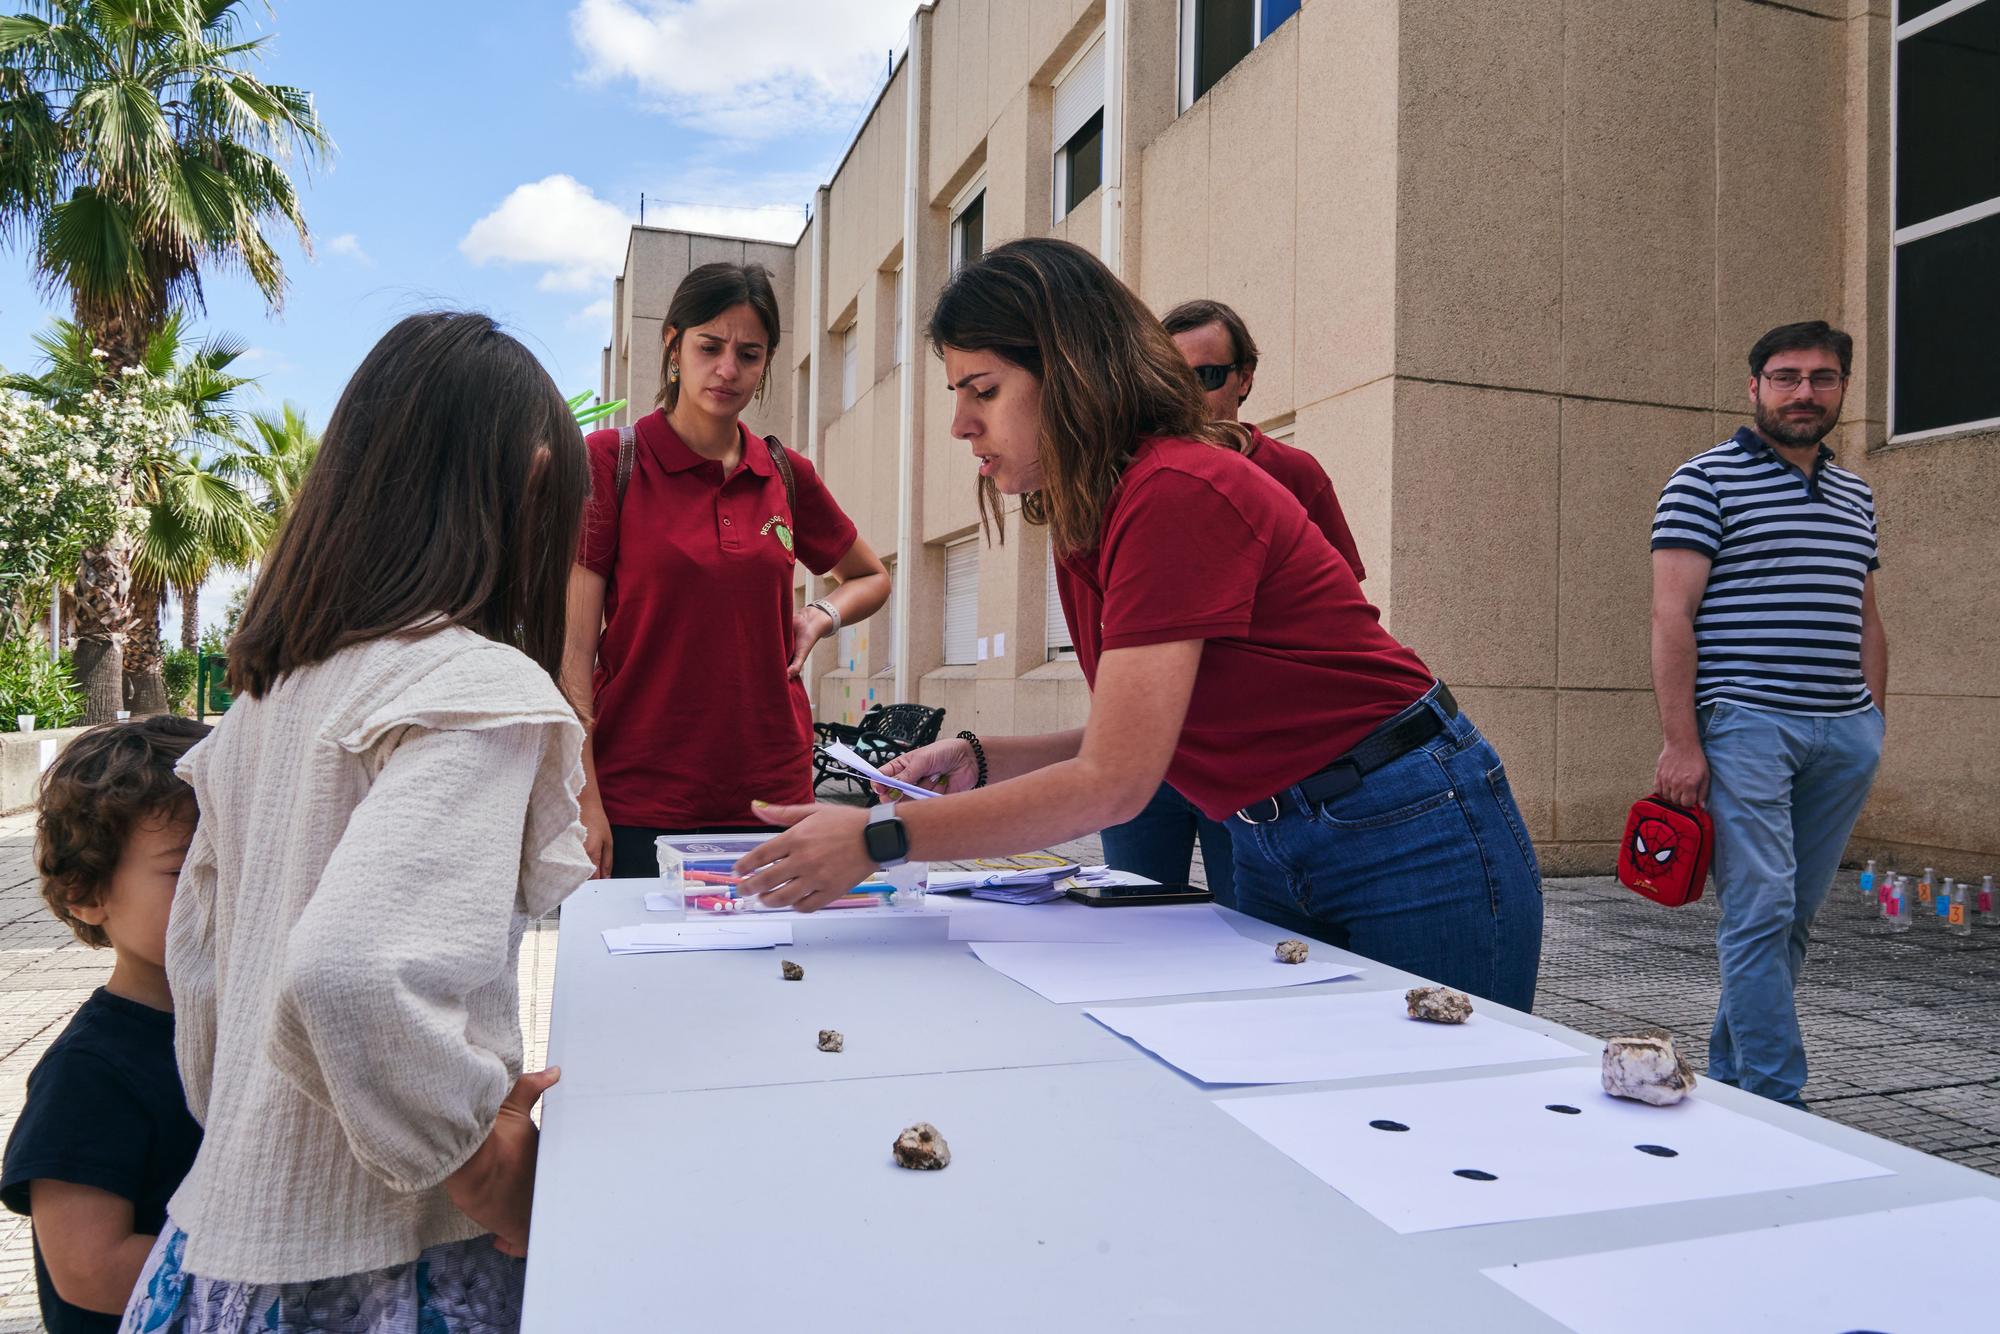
x: 1545, y: 1163
x: 1803, y: 1278
x: 1301, y: 1039
x: 732, y: 933
x: 1077, y: 924
x: 1069, y: 973
x: 844, y: 755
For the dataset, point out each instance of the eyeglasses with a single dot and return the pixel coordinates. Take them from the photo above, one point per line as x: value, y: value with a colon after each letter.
x: 1821, y: 381
x: 1214, y: 377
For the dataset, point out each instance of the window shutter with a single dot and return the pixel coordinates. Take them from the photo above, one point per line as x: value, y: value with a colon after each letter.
x: 1056, y: 628
x: 1080, y: 94
x: 961, y: 603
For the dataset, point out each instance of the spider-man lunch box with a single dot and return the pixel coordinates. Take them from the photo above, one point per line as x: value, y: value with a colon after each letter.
x: 1666, y: 851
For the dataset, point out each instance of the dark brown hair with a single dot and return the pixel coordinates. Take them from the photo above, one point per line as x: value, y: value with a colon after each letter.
x: 106, y: 783
x: 1111, y: 377
x: 704, y: 294
x: 450, y: 485
x: 1807, y: 336
x: 1190, y: 315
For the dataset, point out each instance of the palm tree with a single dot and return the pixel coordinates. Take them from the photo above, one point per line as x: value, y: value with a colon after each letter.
x: 194, y: 511
x: 136, y: 150
x: 275, y: 457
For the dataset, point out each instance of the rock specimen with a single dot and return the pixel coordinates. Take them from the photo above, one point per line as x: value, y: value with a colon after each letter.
x: 1646, y: 1068
x: 922, y: 1149
x: 1291, y: 951
x: 830, y: 1039
x: 1438, y: 1005
x: 792, y: 971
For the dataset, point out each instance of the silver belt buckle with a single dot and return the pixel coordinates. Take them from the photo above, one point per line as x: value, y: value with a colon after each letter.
x: 1251, y: 814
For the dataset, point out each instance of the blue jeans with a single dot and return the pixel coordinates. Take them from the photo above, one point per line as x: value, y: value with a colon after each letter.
x: 1158, y: 843
x: 1784, y: 791
x: 1426, y: 866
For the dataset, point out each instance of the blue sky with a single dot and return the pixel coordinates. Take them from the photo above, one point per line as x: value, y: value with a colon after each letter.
x: 491, y: 155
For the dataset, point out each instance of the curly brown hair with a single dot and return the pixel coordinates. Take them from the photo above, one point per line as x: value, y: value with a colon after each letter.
x: 105, y: 784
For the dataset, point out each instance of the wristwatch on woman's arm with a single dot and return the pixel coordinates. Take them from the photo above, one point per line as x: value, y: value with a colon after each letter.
x: 886, y: 837
x: 832, y: 612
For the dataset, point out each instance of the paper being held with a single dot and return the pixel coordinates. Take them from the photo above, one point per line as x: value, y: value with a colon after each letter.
x: 844, y: 755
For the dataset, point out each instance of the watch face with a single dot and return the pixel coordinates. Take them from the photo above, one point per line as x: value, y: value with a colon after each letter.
x: 887, y: 841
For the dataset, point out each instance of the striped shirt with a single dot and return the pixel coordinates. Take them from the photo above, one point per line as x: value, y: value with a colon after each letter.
x: 1779, y: 626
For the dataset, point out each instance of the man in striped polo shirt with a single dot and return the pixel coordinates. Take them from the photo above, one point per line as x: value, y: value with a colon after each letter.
x: 1770, y: 668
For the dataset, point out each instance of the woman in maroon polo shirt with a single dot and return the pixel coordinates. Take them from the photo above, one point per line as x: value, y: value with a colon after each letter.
x: 682, y: 628
x: 1228, y: 649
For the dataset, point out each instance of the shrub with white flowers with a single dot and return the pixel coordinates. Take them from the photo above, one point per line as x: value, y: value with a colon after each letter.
x: 66, y: 474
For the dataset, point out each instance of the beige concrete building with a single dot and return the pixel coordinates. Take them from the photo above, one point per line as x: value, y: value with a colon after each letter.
x: 1504, y: 260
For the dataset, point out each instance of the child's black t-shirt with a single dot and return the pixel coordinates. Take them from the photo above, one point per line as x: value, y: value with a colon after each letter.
x: 104, y: 1109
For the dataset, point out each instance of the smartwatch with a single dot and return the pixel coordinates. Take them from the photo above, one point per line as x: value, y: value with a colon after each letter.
x: 886, y: 837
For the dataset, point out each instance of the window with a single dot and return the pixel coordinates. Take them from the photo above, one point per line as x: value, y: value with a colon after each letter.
x: 1945, y: 280
x: 896, y: 348
x: 968, y: 230
x: 1077, y: 117
x: 961, y: 603
x: 850, y: 366
x: 1055, y: 627
x: 1216, y: 34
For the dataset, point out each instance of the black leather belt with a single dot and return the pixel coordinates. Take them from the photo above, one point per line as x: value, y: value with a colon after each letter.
x: 1391, y: 741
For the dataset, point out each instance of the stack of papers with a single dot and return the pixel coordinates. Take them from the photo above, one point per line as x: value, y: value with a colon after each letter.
x: 683, y: 937
x: 1034, y: 884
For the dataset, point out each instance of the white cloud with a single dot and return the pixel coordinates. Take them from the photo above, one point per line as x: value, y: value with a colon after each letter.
x: 759, y: 222
x: 348, y: 244
x: 745, y: 69
x: 597, y: 313
x: 558, y: 224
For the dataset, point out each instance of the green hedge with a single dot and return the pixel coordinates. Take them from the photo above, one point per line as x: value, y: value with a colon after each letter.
x: 32, y: 682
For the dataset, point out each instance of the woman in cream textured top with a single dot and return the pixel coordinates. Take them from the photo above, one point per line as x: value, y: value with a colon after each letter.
x: 389, y: 800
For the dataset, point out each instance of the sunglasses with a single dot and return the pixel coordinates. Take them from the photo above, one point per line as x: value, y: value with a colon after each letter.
x: 1213, y: 378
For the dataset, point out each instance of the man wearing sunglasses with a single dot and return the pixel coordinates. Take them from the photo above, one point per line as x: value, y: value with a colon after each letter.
x: 1770, y: 668
x: 1158, y: 843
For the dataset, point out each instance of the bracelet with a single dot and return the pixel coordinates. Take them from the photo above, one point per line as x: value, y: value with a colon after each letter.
x: 833, y: 612
x: 978, y: 755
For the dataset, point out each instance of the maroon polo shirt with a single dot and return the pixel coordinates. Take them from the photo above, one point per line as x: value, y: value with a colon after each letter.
x: 1200, y: 543
x: 695, y: 716
x: 1299, y: 473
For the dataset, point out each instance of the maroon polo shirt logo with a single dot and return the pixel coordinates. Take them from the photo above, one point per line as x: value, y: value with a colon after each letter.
x: 776, y: 524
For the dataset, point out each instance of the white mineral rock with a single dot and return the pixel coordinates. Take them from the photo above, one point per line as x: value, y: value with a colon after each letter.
x: 1291, y: 951
x: 1438, y: 1005
x: 830, y: 1039
x: 1646, y: 1069
x: 922, y: 1149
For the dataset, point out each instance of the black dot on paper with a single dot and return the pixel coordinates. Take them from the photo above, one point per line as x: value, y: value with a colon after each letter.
x: 1388, y: 1125
x: 1565, y: 1109
x: 1474, y: 1174
x: 1658, y: 1150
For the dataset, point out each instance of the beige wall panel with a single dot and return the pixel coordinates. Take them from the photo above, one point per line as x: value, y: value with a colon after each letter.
x: 1615, y: 459
x: 1346, y: 216
x: 1051, y: 23
x: 1639, y: 216
x: 1938, y: 516
x: 721, y: 250
x: 881, y: 472
x: 1007, y: 67
x: 1521, y: 724
x: 1014, y: 206
x: 1152, y: 72
x: 655, y: 262
x: 1480, y: 192
x: 975, y: 57
x: 949, y: 504
x: 1865, y: 218
x: 1780, y: 74
x: 798, y: 307
x: 1938, y: 786
x: 942, y: 106
x: 1038, y: 703
x: 1174, y: 213
x: 993, y: 706
x: 954, y: 690
x: 1353, y: 435
x: 645, y: 364
x: 1085, y: 224
x: 1253, y: 201
x: 1474, y: 560
x: 1607, y: 746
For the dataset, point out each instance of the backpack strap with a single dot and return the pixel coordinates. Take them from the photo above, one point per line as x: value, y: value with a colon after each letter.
x: 628, y: 440
x: 784, y: 466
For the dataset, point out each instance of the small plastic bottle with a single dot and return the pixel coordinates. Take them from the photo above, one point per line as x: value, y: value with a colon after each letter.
x: 1924, y: 887
x: 1884, y: 884
x: 1897, y: 915
x: 1942, y: 911
x: 671, y: 896
x: 1959, y: 920
x: 1989, y: 911
x: 1868, y: 882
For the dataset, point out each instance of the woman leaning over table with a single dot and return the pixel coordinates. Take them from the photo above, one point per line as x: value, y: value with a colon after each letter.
x: 683, y: 637
x: 1228, y: 650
